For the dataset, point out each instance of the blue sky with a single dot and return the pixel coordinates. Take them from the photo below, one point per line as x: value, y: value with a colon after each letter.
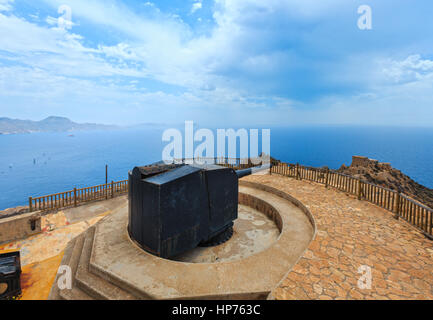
x: 218, y: 62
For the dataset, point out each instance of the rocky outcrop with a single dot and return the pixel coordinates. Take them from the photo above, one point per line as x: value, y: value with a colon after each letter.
x: 13, y: 212
x: 384, y: 175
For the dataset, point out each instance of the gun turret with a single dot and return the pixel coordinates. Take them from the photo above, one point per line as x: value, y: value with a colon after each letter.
x: 175, y: 208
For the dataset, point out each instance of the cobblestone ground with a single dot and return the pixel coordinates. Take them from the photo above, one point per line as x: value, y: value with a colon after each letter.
x: 353, y: 234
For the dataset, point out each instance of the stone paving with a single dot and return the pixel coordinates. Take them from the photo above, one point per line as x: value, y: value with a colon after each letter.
x: 353, y: 236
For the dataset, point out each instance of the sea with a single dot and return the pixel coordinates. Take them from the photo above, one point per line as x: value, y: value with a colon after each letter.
x: 39, y: 164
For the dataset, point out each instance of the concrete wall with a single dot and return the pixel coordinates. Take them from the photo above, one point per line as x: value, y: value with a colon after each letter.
x: 19, y: 227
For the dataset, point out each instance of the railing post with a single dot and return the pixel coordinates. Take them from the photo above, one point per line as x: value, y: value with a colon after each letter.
x: 359, y: 189
x: 327, y: 178
x: 75, y: 197
x: 112, y: 189
x: 30, y: 204
x: 297, y: 171
x: 397, y: 206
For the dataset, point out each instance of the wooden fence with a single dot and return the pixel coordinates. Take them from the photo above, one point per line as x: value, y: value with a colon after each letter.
x: 401, y: 205
x: 78, y: 196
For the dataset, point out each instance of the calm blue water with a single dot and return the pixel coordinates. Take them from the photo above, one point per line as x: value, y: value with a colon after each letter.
x: 64, y: 162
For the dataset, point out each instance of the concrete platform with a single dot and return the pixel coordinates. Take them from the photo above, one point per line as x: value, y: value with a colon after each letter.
x: 253, y: 232
x: 106, y: 264
x: 95, y: 209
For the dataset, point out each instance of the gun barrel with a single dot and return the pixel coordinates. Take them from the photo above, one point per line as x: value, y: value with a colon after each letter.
x: 246, y: 172
x: 243, y: 173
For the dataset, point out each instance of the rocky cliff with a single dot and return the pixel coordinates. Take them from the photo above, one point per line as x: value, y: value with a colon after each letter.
x: 384, y: 175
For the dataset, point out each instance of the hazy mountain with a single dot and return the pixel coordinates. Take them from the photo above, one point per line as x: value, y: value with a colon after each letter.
x: 57, y: 124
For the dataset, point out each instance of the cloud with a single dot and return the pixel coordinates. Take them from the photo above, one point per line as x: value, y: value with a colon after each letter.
x: 269, y: 60
x: 413, y: 68
x: 60, y: 51
x: 245, y: 44
x: 6, y: 5
x: 60, y: 22
x: 52, y: 21
x: 196, y: 6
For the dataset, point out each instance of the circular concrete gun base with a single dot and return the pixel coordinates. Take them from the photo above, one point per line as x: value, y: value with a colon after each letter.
x: 108, y: 265
x: 253, y: 232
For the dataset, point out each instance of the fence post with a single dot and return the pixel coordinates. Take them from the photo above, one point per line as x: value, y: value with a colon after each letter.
x: 327, y: 178
x: 359, y: 189
x: 112, y: 189
x: 297, y: 171
x: 75, y: 197
x: 397, y: 206
x: 30, y: 204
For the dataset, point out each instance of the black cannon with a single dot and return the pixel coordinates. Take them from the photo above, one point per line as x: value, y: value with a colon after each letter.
x: 175, y: 208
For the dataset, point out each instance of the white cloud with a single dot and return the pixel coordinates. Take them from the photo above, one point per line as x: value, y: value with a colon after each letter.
x: 6, y: 5
x: 196, y: 6
x: 52, y: 21
x: 224, y: 70
x: 170, y: 52
x: 59, y: 70
x: 121, y: 51
x: 399, y: 93
x: 60, y: 51
x: 56, y: 22
x: 413, y: 68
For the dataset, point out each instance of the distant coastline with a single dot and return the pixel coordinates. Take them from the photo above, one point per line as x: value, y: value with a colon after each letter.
x: 51, y: 124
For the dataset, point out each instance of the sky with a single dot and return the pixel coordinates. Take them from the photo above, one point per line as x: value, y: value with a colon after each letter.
x: 217, y: 62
